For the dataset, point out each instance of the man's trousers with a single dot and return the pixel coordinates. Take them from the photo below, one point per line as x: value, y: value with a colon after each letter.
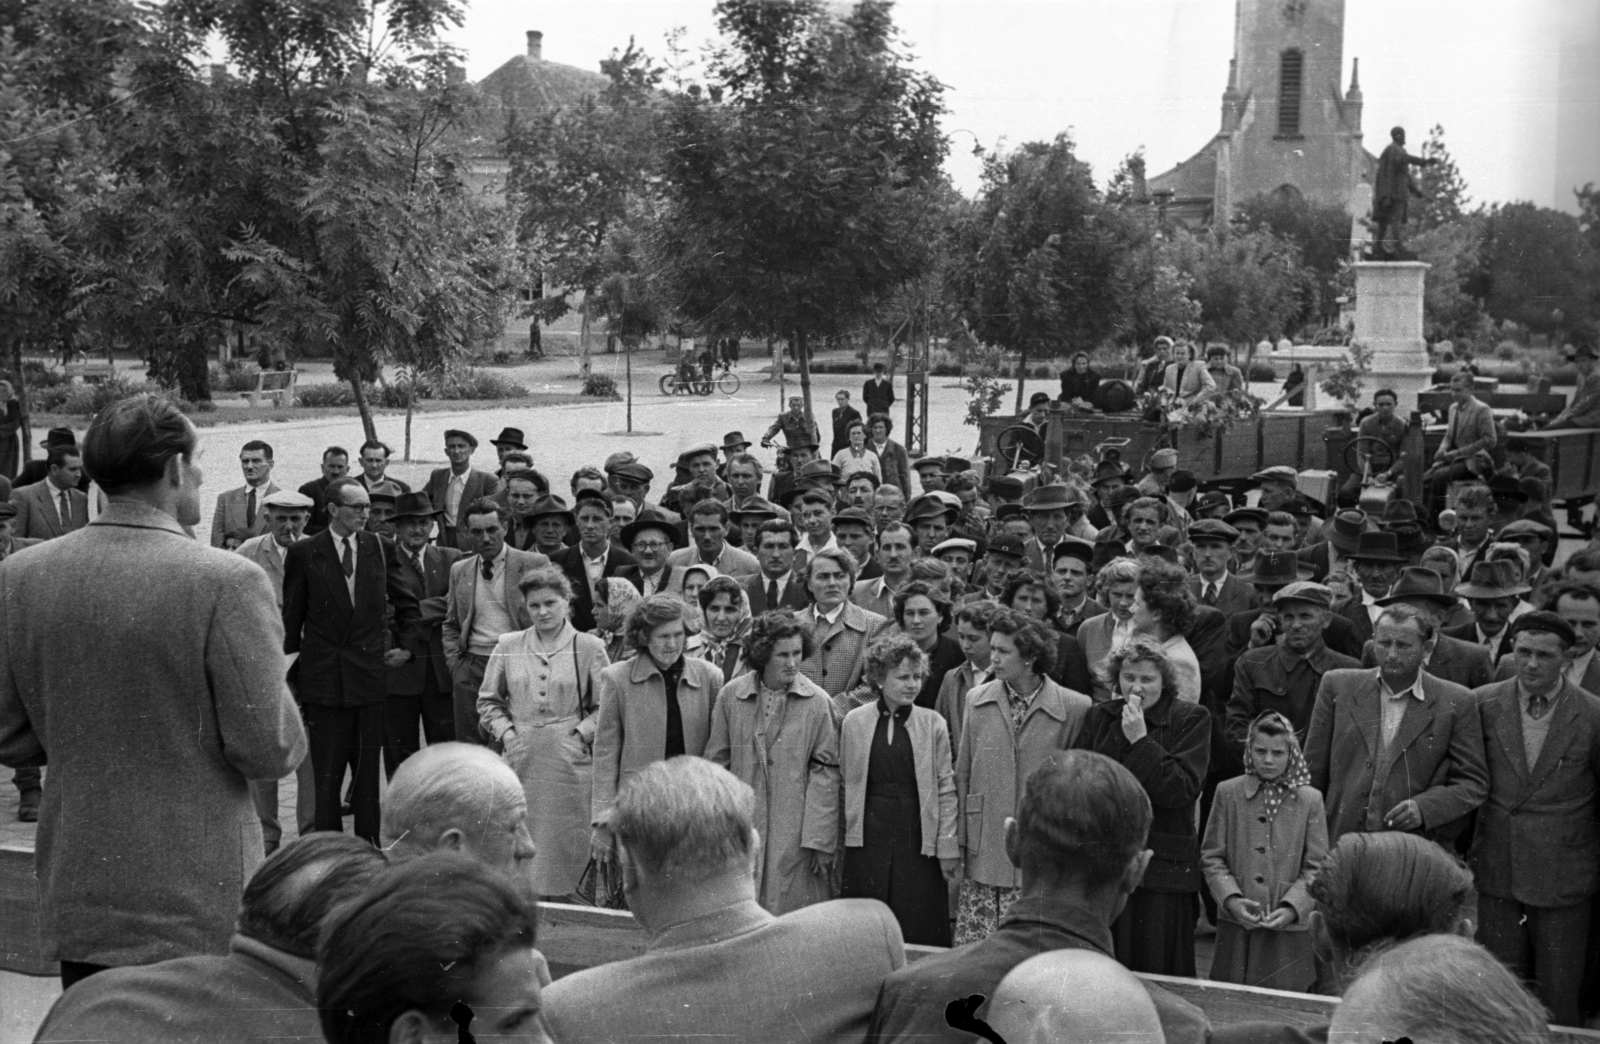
x: 1542, y: 944
x: 346, y: 737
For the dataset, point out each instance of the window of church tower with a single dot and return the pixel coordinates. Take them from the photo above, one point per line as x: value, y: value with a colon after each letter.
x: 1291, y: 68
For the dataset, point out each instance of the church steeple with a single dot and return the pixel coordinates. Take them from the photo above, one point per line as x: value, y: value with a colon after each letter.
x: 1230, y: 99
x: 1352, y: 99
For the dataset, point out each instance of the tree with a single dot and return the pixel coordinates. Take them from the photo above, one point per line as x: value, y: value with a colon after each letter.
x: 1538, y: 269
x: 1320, y: 234
x: 1444, y: 189
x: 1246, y: 283
x: 1453, y: 250
x: 1037, y: 259
x: 575, y: 172
x: 802, y: 178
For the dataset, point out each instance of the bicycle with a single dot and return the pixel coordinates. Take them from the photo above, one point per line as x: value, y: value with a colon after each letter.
x: 728, y: 381
x: 695, y: 383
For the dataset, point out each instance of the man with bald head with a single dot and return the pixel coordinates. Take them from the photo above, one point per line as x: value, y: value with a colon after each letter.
x: 1079, y: 840
x: 460, y: 797
x: 1076, y: 995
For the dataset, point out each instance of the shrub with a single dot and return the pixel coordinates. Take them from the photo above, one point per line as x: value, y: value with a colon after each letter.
x: 332, y: 394
x: 88, y: 399
x: 234, y: 378
x: 470, y: 383
x: 600, y: 385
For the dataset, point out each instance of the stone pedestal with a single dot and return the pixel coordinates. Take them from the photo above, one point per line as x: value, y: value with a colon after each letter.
x: 1388, y: 322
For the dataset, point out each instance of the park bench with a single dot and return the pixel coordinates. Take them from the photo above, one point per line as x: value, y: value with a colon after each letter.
x: 89, y: 371
x: 275, y: 387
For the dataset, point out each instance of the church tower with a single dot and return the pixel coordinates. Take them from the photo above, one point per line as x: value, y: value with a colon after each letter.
x: 1286, y: 124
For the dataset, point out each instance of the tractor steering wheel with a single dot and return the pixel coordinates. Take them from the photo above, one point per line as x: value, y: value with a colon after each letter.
x: 1379, y: 450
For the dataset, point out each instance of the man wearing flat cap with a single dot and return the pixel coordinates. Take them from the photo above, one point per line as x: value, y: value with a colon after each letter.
x: 1395, y: 748
x: 1284, y: 676
x: 1278, y: 487
x: 1212, y: 543
x: 454, y: 488
x: 1536, y: 847
x: 631, y: 479
x: 700, y: 461
x: 1537, y: 539
x: 1163, y: 462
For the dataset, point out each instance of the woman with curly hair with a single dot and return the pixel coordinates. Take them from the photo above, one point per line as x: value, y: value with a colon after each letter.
x: 1012, y: 725
x: 899, y: 796
x: 1034, y: 595
x: 1166, y: 744
x: 655, y: 705
x: 1164, y: 611
x: 725, y: 616
x: 773, y: 728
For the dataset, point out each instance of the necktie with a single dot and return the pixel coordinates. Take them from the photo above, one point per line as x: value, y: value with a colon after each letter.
x: 250, y: 509
x: 417, y: 559
x: 1211, y: 594
x: 66, y: 510
x: 488, y: 569
x: 349, y: 560
x: 772, y: 595
x: 1537, y: 705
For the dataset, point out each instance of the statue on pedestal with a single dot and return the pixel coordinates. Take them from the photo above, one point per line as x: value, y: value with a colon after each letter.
x: 1392, y: 190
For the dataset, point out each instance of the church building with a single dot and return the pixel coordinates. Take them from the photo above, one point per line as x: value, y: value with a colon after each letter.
x: 1287, y: 127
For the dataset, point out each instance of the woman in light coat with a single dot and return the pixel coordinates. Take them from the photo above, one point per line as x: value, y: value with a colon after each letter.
x: 774, y: 728
x: 1013, y: 723
x: 900, y: 796
x: 1186, y: 378
x: 539, y: 700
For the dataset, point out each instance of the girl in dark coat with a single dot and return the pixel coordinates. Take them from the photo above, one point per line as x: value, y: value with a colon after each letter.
x: 1166, y: 744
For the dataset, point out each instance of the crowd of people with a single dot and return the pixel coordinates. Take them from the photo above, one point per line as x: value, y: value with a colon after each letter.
x: 1062, y: 729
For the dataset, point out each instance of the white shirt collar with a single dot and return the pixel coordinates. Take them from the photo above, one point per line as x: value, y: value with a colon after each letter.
x: 1578, y: 668
x: 833, y: 617
x: 1414, y: 689
x: 601, y: 557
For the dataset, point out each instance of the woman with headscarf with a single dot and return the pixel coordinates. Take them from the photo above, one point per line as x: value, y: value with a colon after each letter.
x: 725, y: 616
x: 1265, y: 840
x: 693, y: 581
x: 1079, y: 382
x: 615, y: 599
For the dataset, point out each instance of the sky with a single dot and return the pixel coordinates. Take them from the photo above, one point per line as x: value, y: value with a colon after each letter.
x: 1124, y: 74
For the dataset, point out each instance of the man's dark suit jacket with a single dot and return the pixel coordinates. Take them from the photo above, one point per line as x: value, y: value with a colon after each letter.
x: 581, y: 609
x: 631, y: 574
x: 37, y: 470
x: 842, y: 419
x: 1236, y: 596
x: 1468, y: 632
x: 341, y: 644
x: 1536, y: 838
x: 1071, y: 667
x: 1454, y: 660
x: 795, y: 597
x: 431, y: 589
x: 878, y: 399
x: 1436, y: 758
x: 478, y: 484
x: 912, y: 1001
x: 1338, y: 635
x: 1360, y: 620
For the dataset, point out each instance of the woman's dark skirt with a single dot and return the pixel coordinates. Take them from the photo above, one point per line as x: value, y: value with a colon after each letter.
x: 891, y: 868
x: 1155, y: 933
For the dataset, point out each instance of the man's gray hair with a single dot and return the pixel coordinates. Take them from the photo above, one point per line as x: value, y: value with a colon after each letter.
x: 440, y: 787
x: 1449, y: 988
x: 685, y: 816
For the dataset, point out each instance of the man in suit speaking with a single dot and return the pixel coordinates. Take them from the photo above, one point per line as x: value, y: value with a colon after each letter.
x: 686, y: 843
x: 338, y: 588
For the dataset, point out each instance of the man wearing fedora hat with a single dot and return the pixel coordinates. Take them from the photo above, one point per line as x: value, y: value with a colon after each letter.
x: 1394, y: 747
x: 35, y: 470
x: 420, y: 689
x: 1269, y: 573
x: 1049, y: 510
x: 453, y: 488
x: 1344, y: 536
x: 550, y: 520
x: 1452, y: 659
x: 1377, y: 561
x: 651, y: 542
x: 784, y: 483
x: 508, y: 441
x: 1109, y: 476
x: 1284, y: 676
x: 1492, y: 590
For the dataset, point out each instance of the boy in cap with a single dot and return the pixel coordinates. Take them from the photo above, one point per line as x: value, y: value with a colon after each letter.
x: 1163, y: 462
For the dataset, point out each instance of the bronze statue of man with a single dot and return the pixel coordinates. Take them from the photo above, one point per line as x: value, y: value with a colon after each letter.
x: 1392, y: 191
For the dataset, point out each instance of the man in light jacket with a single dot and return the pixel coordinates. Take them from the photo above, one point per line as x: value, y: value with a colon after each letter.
x: 152, y: 742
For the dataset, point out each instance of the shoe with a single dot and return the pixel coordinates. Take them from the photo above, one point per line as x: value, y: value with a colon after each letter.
x: 28, y: 809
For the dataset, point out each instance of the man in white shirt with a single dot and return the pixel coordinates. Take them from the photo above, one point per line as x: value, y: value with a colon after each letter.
x: 455, y: 487
x: 813, y: 515
x: 240, y: 510
x: 775, y: 586
x: 708, y: 525
x: 1578, y: 605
